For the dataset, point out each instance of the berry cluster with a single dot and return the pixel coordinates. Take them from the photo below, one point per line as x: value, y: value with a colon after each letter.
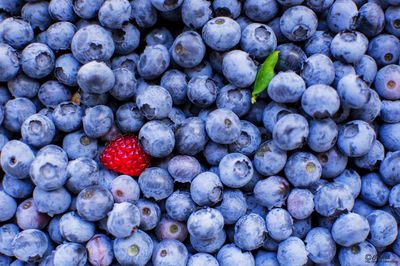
x: 199, y: 133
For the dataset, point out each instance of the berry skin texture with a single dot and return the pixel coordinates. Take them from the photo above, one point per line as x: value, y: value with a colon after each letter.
x: 125, y: 155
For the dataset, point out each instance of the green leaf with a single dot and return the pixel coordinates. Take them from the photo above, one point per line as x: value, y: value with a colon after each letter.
x: 265, y: 75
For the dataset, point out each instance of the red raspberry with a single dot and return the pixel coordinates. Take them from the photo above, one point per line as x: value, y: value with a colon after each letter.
x: 125, y: 155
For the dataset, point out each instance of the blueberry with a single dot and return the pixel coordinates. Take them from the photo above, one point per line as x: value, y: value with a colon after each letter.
x: 144, y: 13
x: 292, y: 251
x: 318, y: 69
x: 94, y: 202
x: 7, y: 234
x: 67, y: 116
x: 54, y: 230
x: 52, y: 202
x: 394, y: 199
x: 341, y: 70
x: 49, y: 172
x: 205, y: 223
x: 196, y: 13
x: 356, y: 138
x: 9, y: 62
x: 191, y: 136
x: 155, y: 102
x: 290, y: 132
x: 156, y: 183
x: 320, y: 245
x: 248, y: 141
x: 342, y: 15
x: 272, y: 113
x: 157, y: 139
x: 77, y: 144
x: 170, y: 252
x: 383, y: 228
x: 233, y: 206
x: 17, y: 188
x: 272, y: 191
x: 300, y: 203
x: 169, y: 229
x: 30, y: 245
x: 239, y: 69
x: 352, y: 180
x: 250, y: 232
x: 62, y: 10
x: 333, y: 162
x: 373, y: 190
x: 95, y: 77
x: 333, y: 198
x: 188, y: 49
x: 223, y: 126
x: 202, y: 91
x: 392, y: 20
x: 8, y: 207
x: 23, y: 86
x: 123, y: 220
x: 153, y: 61
x: 389, y: 169
x: 279, y: 224
x: 16, y: 32
x: 150, y: 214
x: 175, y: 82
x: 236, y: 170
x: 66, y: 69
x: 135, y: 249
x: 387, y: 258
x: 286, y: 87
x: 298, y: 23
x: 291, y: 57
x: 323, y: 135
x: 320, y: 101
x: 37, y: 60
x: 387, y: 82
x: 179, y: 205
x: 206, y: 189
x: 97, y: 121
x: 359, y: 252
x: 384, y: 49
x: 200, y: 259
x: 261, y: 10
x: 126, y: 39
x: 99, y: 250
x: 59, y: 35
x: 92, y: 42
x: 221, y: 33
x: 372, y: 158
x: 350, y: 229
x: 214, y: 152
x: 125, y: 189
x: 11, y: 6
x: 37, y: 130
x: 128, y: 118
x: 51, y: 93
x: 210, y: 245
x: 231, y: 8
x: 184, y: 168
x: 37, y: 14
x: 70, y: 254
x: 318, y: 43
x: 235, y: 99
x: 73, y: 228
x: 349, y: 47
x: 370, y: 110
x: 160, y: 36
x: 371, y: 19
x: 390, y: 111
x: 113, y: 14
x: 301, y: 227
x: 16, y: 159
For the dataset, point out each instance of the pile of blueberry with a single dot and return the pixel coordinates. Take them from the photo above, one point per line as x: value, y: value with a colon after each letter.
x: 131, y: 135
